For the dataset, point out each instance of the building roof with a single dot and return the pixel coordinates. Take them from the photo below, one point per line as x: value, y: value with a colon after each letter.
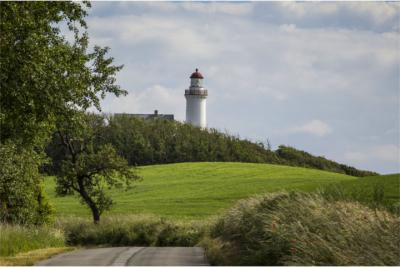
x: 196, y: 75
x: 155, y: 115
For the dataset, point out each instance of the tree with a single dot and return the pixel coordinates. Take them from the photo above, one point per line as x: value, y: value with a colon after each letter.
x: 89, y: 166
x: 43, y: 76
x: 45, y: 80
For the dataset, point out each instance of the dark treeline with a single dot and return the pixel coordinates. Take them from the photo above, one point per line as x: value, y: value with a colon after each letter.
x: 300, y: 158
x: 158, y: 141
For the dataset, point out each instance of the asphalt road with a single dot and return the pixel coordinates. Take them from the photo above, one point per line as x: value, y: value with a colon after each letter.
x: 130, y: 256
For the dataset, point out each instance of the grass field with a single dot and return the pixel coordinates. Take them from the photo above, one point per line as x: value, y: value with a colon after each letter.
x: 197, y: 190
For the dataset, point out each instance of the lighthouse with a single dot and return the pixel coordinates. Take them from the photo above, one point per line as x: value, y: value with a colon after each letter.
x: 196, y: 97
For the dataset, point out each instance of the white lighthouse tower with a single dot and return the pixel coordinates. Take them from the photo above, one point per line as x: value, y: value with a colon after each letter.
x: 196, y: 97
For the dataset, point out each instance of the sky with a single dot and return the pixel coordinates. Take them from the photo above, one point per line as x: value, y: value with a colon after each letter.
x: 321, y: 77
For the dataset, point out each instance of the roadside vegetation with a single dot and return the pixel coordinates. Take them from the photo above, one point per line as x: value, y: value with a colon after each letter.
x: 16, y: 238
x: 25, y: 245
x: 303, y: 229
x: 22, y: 199
x: 132, y: 230
x: 32, y: 257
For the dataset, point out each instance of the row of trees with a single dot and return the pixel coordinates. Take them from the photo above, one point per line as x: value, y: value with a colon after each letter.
x: 296, y: 157
x: 144, y: 142
x: 158, y: 141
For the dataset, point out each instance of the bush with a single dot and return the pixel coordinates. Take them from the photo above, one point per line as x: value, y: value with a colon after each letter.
x: 303, y: 229
x: 22, y: 199
x: 132, y: 231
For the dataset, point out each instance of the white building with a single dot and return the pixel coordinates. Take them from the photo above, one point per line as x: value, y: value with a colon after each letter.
x: 196, y: 97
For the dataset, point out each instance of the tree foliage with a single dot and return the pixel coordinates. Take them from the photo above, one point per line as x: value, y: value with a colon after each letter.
x: 301, y: 158
x: 158, y: 141
x: 44, y: 76
x: 46, y: 79
x: 22, y: 199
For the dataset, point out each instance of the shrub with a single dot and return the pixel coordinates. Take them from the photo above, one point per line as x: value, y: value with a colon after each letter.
x: 303, y: 229
x: 132, y: 231
x: 22, y: 199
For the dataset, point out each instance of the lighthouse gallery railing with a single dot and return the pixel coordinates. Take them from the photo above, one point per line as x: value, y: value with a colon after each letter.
x: 196, y: 92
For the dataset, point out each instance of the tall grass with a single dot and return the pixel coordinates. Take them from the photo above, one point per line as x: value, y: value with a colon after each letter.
x: 15, y: 239
x: 132, y: 231
x: 382, y: 192
x: 303, y: 229
x: 31, y: 257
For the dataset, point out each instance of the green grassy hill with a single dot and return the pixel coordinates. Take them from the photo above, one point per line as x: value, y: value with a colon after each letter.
x: 198, y: 190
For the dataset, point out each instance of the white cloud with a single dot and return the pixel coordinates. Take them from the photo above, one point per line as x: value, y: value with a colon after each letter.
x: 271, y: 93
x: 378, y: 12
x: 294, y: 8
x: 161, y: 6
x: 176, y: 37
x: 213, y: 7
x: 388, y: 153
x: 314, y: 127
x: 288, y: 27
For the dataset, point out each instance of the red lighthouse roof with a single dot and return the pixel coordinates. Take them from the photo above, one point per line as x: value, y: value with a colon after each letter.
x: 196, y: 75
